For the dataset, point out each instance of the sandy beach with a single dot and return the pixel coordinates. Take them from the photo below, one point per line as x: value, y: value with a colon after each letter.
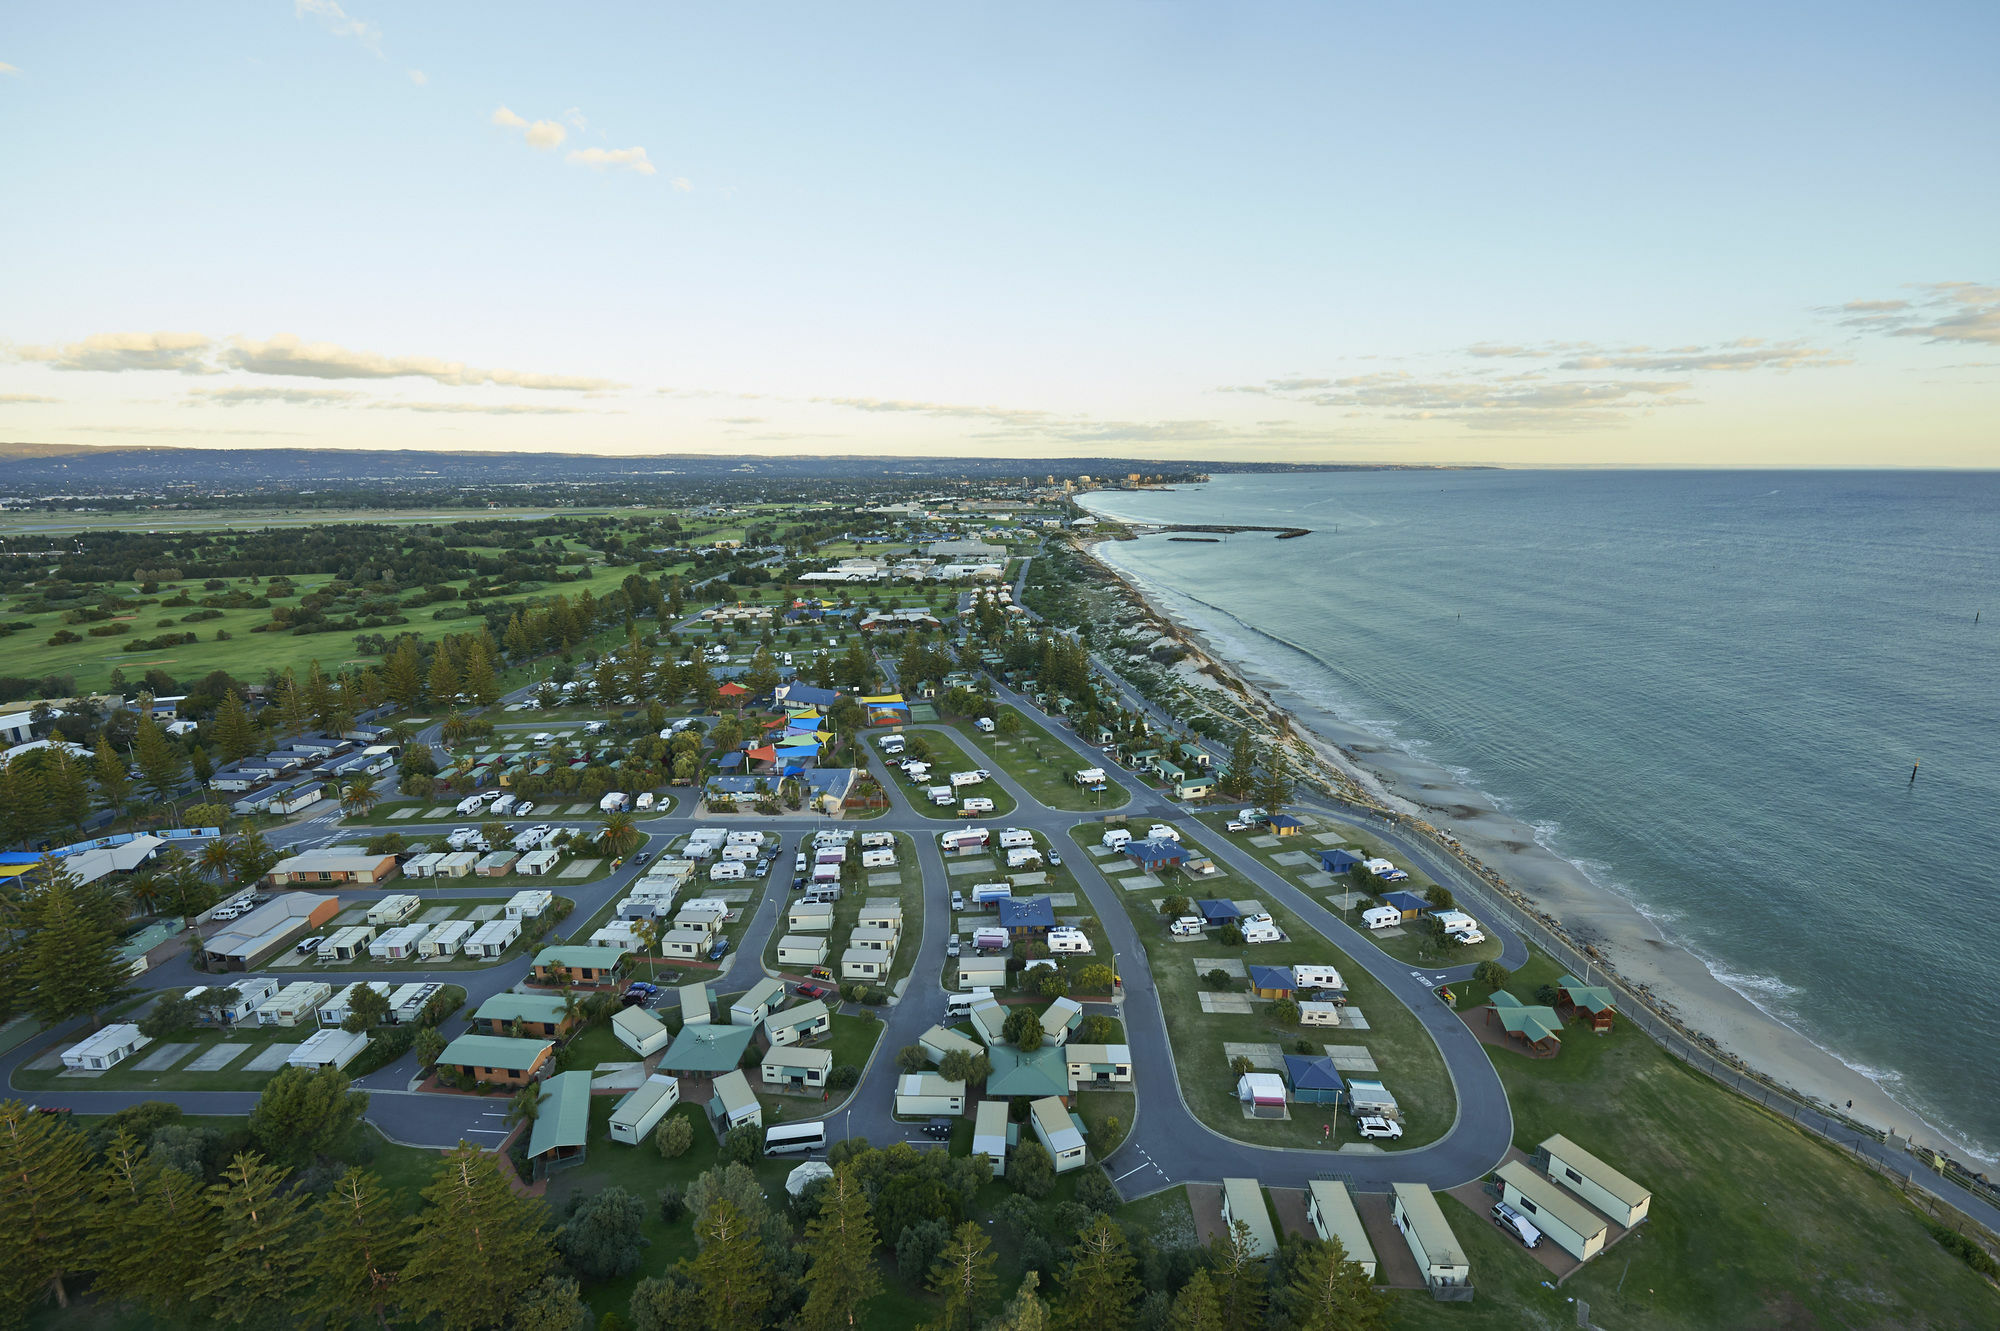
x: 1679, y: 982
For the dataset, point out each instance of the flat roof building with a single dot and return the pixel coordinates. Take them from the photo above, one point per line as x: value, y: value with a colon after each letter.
x: 1596, y: 1182
x: 1567, y: 1222
x: 1243, y: 1202
x: 1330, y: 1211
x: 1441, y: 1260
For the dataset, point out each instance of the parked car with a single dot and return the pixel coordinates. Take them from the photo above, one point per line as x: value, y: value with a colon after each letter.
x: 1515, y: 1225
x: 957, y: 899
x: 939, y: 1128
x: 799, y: 883
x: 1236, y: 825
x: 1372, y: 1128
x: 951, y: 947
x: 721, y: 950
x: 525, y: 808
x: 811, y: 990
x: 1055, y: 860
x: 308, y: 945
x: 799, y: 862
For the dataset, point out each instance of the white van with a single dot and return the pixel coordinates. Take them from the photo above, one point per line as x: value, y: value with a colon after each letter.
x: 1187, y: 926
x: 960, y: 1005
x: 1515, y: 1225
x: 1381, y: 917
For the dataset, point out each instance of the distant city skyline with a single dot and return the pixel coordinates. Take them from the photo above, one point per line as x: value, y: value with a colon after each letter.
x: 1281, y: 232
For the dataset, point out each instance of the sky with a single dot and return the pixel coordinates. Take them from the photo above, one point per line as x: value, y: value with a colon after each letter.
x: 1691, y: 235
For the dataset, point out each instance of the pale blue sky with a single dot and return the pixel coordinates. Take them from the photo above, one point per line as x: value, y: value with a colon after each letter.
x: 1259, y: 231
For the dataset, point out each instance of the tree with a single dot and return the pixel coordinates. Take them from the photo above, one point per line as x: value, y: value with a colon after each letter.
x: 478, y: 1248
x: 481, y: 686
x: 1032, y: 1170
x: 963, y: 1276
x: 1285, y: 1012
x: 1197, y: 1307
x: 1239, y: 1272
x: 1023, y: 1028
x: 68, y: 960
x: 257, y: 1264
x: 1328, y: 1292
x: 1492, y: 975
x: 1008, y: 723
x: 732, y: 1183
x: 305, y: 1112
x: 601, y: 1240
x: 360, y: 796
x: 731, y: 1270
x: 356, y: 1252
x: 1175, y: 907
x: 45, y: 1163
x: 674, y: 1136
x: 1239, y: 777
x: 114, y: 783
x: 235, y: 733
x: 403, y: 674
x: 958, y: 1065
x: 1274, y: 787
x: 429, y: 1045
x: 171, y: 1014
x: 1096, y: 978
x: 443, y: 678
x: 912, y: 1058
x: 554, y: 1305
x: 1099, y: 1288
x: 162, y: 765
x: 1440, y: 897
x: 841, y: 1240
x: 367, y: 1008
x: 1025, y: 1311
x: 618, y: 836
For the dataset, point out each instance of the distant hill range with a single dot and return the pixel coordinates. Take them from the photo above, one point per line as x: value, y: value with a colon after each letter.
x: 84, y: 468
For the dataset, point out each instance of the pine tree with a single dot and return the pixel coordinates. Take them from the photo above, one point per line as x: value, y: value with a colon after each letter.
x: 730, y: 1270
x: 358, y: 1251
x: 1025, y: 1311
x: 26, y: 806
x: 293, y: 713
x: 841, y: 1239
x: 478, y: 1248
x: 963, y: 1276
x: 162, y: 765
x: 1239, y: 778
x: 69, y: 958
x: 44, y: 1188
x: 121, y: 1232
x: 1274, y: 787
x: 235, y: 732
x: 1099, y: 1288
x: 257, y: 1265
x: 318, y: 696
x: 1197, y: 1307
x: 480, y: 684
x: 516, y: 638
x: 403, y: 675
x: 1242, y: 1280
x: 1328, y: 1292
x: 69, y: 788
x: 443, y: 680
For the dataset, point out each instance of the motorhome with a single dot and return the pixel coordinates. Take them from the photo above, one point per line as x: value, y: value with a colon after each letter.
x: 1187, y: 926
x: 973, y: 778
x: 984, y: 725
x: 1116, y: 838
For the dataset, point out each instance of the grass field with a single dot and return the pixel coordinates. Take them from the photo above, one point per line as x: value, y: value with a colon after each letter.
x: 946, y: 758
x: 1042, y: 764
x: 1407, y: 1060
x: 1754, y: 1223
x: 1409, y: 945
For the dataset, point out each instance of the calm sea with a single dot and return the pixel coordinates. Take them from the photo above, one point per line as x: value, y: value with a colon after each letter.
x: 1705, y: 688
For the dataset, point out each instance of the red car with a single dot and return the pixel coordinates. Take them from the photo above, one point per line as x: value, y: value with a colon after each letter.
x: 814, y: 991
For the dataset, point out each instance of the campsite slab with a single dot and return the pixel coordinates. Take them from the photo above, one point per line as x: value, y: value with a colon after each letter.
x: 1346, y: 900
x: 1329, y: 838
x: 441, y: 811
x: 1317, y: 878
x: 436, y: 915
x: 1099, y: 851
x: 578, y: 810
x: 885, y: 879
x: 1288, y: 858
x: 82, y: 1074
x: 959, y: 868
x: 287, y: 960
x: 1062, y: 900
x: 1227, y: 965
x: 1144, y: 882
x: 734, y: 896
x: 481, y: 914
x: 1393, y: 931
x: 271, y: 1057
x: 1231, y: 1004
x: 1030, y: 879
x: 1264, y: 839
x: 1249, y: 906
x: 401, y: 814
x: 1351, y: 1018
x: 45, y: 1062
x: 161, y: 1057
x: 1261, y: 1055
x: 216, y: 1057
x: 579, y: 868
x: 1119, y: 866
x: 1350, y: 1057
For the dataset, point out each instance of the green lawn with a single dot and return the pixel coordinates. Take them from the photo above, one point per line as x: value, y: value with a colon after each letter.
x: 945, y: 758
x: 1408, y: 1061
x: 1754, y: 1223
x: 1411, y: 945
x: 1097, y: 1109
x: 1041, y: 763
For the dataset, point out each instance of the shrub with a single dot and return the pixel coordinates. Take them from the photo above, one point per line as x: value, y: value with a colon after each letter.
x: 1546, y: 995
x: 843, y: 1077
x: 673, y: 1206
x: 741, y: 1144
x: 63, y: 637
x: 1285, y: 1012
x: 674, y: 1136
x: 1095, y: 1192
x: 1492, y: 975
x: 912, y: 1058
x: 1032, y: 1170
x: 1241, y: 1066
x: 1966, y: 1250
x: 1219, y: 979
x: 1229, y: 936
x: 113, y: 630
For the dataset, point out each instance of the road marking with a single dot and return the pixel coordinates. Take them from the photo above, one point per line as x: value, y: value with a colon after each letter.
x: 490, y: 1132
x: 1137, y: 1169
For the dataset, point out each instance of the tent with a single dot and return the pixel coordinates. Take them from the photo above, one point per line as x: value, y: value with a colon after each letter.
x: 805, y: 1175
x: 1264, y: 1092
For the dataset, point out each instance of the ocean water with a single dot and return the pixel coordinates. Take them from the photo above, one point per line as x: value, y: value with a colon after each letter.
x: 1705, y: 688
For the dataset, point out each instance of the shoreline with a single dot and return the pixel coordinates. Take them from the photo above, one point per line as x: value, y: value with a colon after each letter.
x: 1372, y: 770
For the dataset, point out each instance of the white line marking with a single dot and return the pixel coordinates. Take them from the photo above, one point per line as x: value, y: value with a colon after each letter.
x: 1130, y: 1172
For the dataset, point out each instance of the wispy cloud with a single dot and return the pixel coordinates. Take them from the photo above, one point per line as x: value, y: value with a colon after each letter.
x: 297, y: 397
x: 1747, y: 354
x: 544, y: 134
x: 1509, y: 402
x: 630, y: 158
x: 182, y: 353
x: 484, y: 408
x: 1005, y: 415
x: 1939, y: 312
x: 9, y: 70
x: 21, y: 399
x: 418, y: 77
x: 286, y: 354
x: 340, y: 23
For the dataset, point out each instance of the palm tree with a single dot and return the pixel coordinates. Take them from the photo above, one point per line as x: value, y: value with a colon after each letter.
x: 618, y: 836
x: 217, y: 859
x: 526, y: 1106
x: 360, y: 796
x: 572, y: 1006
